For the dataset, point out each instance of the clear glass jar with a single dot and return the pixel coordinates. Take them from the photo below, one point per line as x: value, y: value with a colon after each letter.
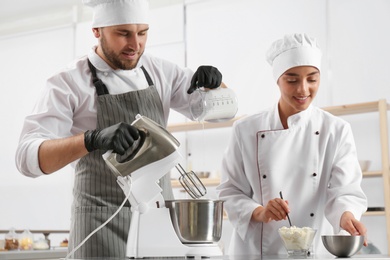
x: 26, y: 240
x: 213, y: 105
x: 11, y: 240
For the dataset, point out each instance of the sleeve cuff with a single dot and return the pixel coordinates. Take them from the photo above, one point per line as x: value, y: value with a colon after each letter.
x: 27, y: 159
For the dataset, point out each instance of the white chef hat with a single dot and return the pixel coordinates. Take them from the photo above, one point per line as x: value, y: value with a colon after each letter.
x: 293, y: 50
x: 117, y: 12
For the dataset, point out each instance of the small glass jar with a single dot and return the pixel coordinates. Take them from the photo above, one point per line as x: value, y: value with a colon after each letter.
x: 11, y: 240
x: 26, y: 240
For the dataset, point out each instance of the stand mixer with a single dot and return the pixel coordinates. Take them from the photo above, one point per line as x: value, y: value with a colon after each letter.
x: 151, y: 231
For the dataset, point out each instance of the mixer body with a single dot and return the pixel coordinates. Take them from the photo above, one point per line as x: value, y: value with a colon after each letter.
x: 155, y: 144
x: 151, y: 231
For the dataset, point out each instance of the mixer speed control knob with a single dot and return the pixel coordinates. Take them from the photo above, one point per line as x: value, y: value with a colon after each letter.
x: 142, y: 207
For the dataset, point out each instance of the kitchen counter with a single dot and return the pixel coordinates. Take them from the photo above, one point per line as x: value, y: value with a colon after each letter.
x: 34, y: 254
x: 226, y: 257
x: 360, y: 257
x: 318, y: 257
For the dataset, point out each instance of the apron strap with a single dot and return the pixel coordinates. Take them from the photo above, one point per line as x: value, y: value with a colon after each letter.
x: 101, y: 89
x: 148, y: 78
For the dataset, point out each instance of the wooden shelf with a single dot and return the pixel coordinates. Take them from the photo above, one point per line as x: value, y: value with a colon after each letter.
x: 216, y: 181
x: 374, y: 213
x: 43, y: 231
x: 381, y: 107
x: 354, y: 108
x: 206, y: 182
x: 372, y: 174
x: 335, y: 110
x: 193, y: 125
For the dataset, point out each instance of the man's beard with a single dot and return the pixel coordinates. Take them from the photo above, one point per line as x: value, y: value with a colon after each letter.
x: 112, y: 57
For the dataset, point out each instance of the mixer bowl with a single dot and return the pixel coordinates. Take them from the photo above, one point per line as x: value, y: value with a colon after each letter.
x: 343, y: 246
x: 196, y: 221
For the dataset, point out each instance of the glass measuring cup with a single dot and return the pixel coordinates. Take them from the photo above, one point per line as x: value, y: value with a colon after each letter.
x: 213, y: 105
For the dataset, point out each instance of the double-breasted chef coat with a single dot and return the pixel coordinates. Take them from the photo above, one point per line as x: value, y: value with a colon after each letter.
x: 314, y: 163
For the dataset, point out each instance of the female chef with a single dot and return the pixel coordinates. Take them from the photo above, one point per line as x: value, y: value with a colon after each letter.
x: 296, y: 148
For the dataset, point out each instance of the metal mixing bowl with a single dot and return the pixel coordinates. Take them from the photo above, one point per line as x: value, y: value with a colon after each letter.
x: 196, y: 221
x: 343, y: 246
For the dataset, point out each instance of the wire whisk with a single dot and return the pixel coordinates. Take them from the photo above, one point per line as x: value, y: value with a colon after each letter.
x: 191, y: 183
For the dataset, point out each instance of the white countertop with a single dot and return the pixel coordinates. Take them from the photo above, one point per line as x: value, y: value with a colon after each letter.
x: 58, y: 254
x: 34, y: 254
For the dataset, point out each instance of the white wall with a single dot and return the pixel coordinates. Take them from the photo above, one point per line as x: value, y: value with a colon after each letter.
x: 232, y: 35
x: 358, y: 44
x: 42, y: 203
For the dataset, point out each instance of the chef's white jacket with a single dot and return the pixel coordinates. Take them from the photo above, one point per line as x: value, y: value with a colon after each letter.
x: 67, y: 105
x: 313, y: 162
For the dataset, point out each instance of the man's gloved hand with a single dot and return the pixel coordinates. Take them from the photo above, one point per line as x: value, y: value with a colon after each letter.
x: 119, y: 138
x: 205, y: 76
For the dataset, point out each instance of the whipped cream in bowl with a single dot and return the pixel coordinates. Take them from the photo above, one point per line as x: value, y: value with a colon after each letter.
x: 296, y: 240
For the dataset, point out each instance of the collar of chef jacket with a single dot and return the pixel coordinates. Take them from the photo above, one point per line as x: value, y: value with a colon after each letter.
x: 293, y: 121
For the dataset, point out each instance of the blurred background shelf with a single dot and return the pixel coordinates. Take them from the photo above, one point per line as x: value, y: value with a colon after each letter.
x: 206, y: 181
x: 380, y: 107
x: 374, y: 213
x: 372, y: 174
x: 194, y: 125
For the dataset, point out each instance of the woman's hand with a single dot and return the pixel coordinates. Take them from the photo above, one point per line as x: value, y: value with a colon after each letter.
x: 276, y: 209
x: 353, y: 226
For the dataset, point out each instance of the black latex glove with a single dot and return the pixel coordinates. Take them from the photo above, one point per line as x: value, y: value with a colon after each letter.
x: 119, y: 138
x: 205, y: 76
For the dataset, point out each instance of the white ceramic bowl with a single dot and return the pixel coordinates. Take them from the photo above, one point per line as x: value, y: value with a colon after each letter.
x: 342, y: 245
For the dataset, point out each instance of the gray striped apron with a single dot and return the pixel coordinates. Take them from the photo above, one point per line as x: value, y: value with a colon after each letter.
x: 96, y: 193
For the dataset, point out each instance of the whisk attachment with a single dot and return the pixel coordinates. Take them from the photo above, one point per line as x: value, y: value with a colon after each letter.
x: 191, y: 183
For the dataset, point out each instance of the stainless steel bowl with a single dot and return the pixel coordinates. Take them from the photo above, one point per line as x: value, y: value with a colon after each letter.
x: 196, y: 221
x: 343, y: 246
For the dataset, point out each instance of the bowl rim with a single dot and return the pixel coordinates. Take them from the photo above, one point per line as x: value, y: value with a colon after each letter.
x: 193, y: 200
x: 342, y: 236
x: 290, y: 228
